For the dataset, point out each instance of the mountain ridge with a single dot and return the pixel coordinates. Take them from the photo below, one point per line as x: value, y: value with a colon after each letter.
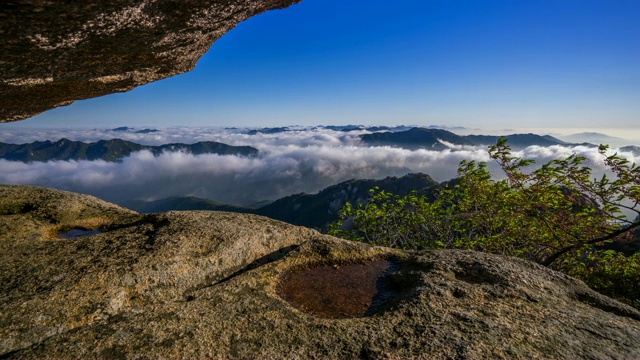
x: 113, y: 150
x: 310, y: 210
x: 437, y: 139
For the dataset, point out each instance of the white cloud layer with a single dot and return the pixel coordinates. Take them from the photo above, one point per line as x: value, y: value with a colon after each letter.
x: 290, y: 162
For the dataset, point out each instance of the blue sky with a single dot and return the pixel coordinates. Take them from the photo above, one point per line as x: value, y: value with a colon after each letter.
x: 473, y: 63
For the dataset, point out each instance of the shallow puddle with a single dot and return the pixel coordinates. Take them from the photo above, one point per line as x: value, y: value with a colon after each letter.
x: 75, y: 233
x: 346, y: 291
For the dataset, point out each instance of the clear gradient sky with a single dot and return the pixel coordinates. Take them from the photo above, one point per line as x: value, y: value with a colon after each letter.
x: 473, y: 63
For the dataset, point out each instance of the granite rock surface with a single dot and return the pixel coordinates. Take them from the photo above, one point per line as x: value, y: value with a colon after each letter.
x: 202, y: 284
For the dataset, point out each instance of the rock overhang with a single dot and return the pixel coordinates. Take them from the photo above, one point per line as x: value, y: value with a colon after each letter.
x: 54, y: 53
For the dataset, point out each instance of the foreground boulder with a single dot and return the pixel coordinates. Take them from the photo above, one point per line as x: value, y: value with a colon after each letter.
x: 55, y: 52
x: 221, y: 285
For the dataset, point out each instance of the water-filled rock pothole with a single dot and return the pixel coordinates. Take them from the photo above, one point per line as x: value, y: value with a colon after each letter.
x: 338, y: 292
x: 75, y: 233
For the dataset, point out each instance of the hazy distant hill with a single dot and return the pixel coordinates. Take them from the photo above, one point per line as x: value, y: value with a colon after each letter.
x: 342, y: 128
x: 595, y: 138
x: 318, y: 210
x: 631, y: 148
x: 310, y: 210
x: 431, y: 138
x: 416, y: 138
x: 180, y: 203
x: 274, y: 130
x: 128, y: 129
x: 348, y: 128
x: 122, y: 129
x: 553, y: 139
x: 108, y: 150
x: 517, y: 140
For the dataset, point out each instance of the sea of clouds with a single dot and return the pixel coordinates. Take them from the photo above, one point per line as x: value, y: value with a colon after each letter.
x: 304, y: 160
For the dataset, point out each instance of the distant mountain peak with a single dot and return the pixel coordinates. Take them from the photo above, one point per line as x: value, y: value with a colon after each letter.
x: 595, y: 138
x: 441, y: 139
x: 126, y: 128
x: 415, y: 138
x: 121, y: 128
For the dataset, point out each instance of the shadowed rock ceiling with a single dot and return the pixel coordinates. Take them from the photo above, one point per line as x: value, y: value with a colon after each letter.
x: 54, y: 52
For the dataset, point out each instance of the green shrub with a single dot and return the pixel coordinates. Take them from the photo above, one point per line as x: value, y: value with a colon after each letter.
x: 558, y: 216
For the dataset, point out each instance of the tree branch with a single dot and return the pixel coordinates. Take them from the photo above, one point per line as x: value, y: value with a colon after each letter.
x: 551, y: 259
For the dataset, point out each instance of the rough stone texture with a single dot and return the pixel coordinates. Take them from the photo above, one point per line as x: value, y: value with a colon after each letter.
x: 55, y: 52
x: 205, y: 285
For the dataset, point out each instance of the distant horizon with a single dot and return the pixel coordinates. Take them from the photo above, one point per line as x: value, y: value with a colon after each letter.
x: 629, y: 134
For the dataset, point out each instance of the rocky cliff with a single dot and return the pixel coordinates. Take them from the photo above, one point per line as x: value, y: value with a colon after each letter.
x: 221, y: 285
x: 55, y: 52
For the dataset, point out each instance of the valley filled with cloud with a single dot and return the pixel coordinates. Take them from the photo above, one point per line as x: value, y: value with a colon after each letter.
x: 292, y: 160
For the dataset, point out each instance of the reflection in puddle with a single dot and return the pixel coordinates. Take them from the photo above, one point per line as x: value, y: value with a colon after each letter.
x: 74, y: 233
x: 336, y: 292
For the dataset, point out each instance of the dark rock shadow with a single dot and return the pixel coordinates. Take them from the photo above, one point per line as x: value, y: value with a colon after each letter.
x: 269, y: 258
x: 77, y: 232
